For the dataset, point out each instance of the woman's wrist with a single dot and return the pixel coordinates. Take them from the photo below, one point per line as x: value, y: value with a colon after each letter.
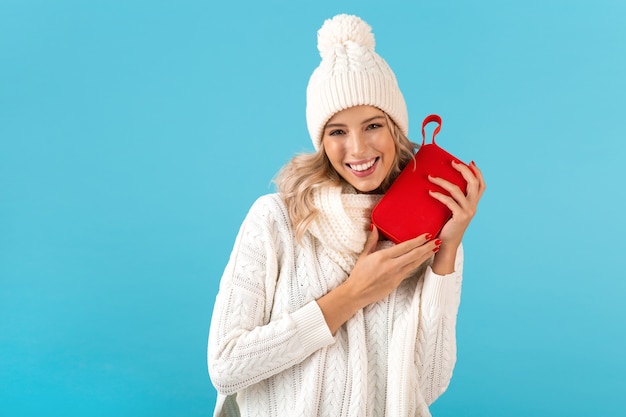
x: 338, y: 306
x: 444, y: 260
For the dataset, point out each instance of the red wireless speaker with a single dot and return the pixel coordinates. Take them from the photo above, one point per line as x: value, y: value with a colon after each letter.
x: 407, y: 210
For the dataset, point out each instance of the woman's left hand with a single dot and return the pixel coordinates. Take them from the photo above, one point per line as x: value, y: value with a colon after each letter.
x: 462, y: 203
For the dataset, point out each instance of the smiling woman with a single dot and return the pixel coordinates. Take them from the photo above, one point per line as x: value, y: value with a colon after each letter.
x: 360, y: 147
x: 315, y: 315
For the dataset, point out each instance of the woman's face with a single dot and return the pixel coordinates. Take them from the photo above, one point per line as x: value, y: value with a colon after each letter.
x: 360, y: 147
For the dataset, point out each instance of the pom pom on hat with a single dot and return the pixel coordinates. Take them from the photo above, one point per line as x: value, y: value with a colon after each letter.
x: 342, y: 29
x: 350, y: 74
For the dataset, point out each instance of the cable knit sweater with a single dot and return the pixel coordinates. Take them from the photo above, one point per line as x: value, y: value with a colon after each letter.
x: 270, y: 352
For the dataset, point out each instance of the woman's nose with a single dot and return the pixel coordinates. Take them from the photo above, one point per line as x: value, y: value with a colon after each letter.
x: 356, y: 143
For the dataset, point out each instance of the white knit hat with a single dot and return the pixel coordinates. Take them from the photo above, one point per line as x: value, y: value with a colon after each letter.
x: 351, y: 74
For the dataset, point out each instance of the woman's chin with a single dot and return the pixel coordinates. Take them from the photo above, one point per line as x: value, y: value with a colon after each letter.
x: 366, y: 187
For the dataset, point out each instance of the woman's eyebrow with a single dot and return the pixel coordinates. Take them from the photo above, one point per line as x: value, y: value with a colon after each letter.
x: 335, y: 125
x: 380, y: 116
x: 363, y: 122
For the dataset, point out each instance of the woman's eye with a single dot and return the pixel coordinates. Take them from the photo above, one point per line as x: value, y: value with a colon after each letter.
x: 373, y: 126
x: 336, y: 132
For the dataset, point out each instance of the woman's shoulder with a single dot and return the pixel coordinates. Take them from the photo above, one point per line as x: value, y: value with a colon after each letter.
x: 268, y: 203
x: 270, y: 209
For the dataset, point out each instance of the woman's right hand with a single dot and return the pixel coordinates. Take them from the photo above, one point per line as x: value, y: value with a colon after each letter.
x: 376, y: 274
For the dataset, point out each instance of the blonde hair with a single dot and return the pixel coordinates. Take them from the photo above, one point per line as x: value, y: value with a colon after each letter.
x: 305, y: 173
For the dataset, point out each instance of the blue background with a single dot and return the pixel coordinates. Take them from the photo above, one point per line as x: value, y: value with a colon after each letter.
x: 134, y: 135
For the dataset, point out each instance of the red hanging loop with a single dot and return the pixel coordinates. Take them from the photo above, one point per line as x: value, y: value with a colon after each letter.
x: 432, y: 118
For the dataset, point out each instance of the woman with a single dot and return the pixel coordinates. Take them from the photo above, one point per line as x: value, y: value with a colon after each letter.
x: 316, y: 315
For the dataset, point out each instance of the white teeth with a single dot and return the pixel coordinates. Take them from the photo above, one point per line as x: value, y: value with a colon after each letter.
x: 363, y: 167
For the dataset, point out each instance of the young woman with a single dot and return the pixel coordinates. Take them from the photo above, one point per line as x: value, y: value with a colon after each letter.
x: 317, y: 315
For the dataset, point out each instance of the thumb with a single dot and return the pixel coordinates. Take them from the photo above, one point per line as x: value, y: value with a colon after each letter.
x: 371, y: 241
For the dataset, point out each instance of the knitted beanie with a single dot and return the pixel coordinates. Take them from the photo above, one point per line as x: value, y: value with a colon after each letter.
x: 351, y: 74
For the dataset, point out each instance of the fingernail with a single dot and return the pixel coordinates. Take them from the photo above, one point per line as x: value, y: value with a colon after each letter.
x: 438, y: 242
x: 429, y: 236
x: 371, y: 227
x: 436, y: 249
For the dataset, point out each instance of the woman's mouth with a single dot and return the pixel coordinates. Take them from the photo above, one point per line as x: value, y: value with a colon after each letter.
x: 365, y: 168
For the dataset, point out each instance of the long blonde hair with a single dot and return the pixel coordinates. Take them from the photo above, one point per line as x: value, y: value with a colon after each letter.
x: 305, y: 173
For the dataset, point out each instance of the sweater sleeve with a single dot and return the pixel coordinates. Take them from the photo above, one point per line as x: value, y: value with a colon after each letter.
x: 247, y: 344
x: 436, y: 334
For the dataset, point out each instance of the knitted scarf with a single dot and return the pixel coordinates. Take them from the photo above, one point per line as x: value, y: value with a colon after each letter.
x: 343, y: 222
x: 342, y: 228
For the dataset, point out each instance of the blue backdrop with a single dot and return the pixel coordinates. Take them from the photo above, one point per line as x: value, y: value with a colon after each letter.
x: 134, y: 135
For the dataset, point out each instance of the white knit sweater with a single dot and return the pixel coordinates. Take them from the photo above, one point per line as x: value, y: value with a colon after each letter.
x: 270, y: 352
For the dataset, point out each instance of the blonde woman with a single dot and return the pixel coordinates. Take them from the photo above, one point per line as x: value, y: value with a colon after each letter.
x: 317, y: 315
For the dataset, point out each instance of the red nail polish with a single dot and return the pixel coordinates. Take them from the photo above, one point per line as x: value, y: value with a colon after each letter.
x: 429, y: 236
x: 371, y: 227
x: 438, y: 242
x: 436, y: 249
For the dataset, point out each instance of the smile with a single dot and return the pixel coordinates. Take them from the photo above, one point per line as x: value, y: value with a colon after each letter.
x: 363, y: 167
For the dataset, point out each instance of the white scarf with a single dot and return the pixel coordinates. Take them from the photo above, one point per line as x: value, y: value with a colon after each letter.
x: 343, y: 222
x: 342, y: 227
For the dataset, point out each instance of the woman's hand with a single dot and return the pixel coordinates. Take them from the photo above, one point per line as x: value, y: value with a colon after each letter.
x: 463, y: 205
x: 376, y: 274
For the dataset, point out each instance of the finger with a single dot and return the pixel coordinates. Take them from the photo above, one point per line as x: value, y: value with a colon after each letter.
x: 462, y: 214
x: 473, y: 183
x: 416, y: 242
x: 372, y: 239
x: 452, y: 203
x: 421, y: 239
x: 405, y: 247
x: 418, y: 255
x: 454, y: 190
x: 465, y: 170
x: 479, y: 175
